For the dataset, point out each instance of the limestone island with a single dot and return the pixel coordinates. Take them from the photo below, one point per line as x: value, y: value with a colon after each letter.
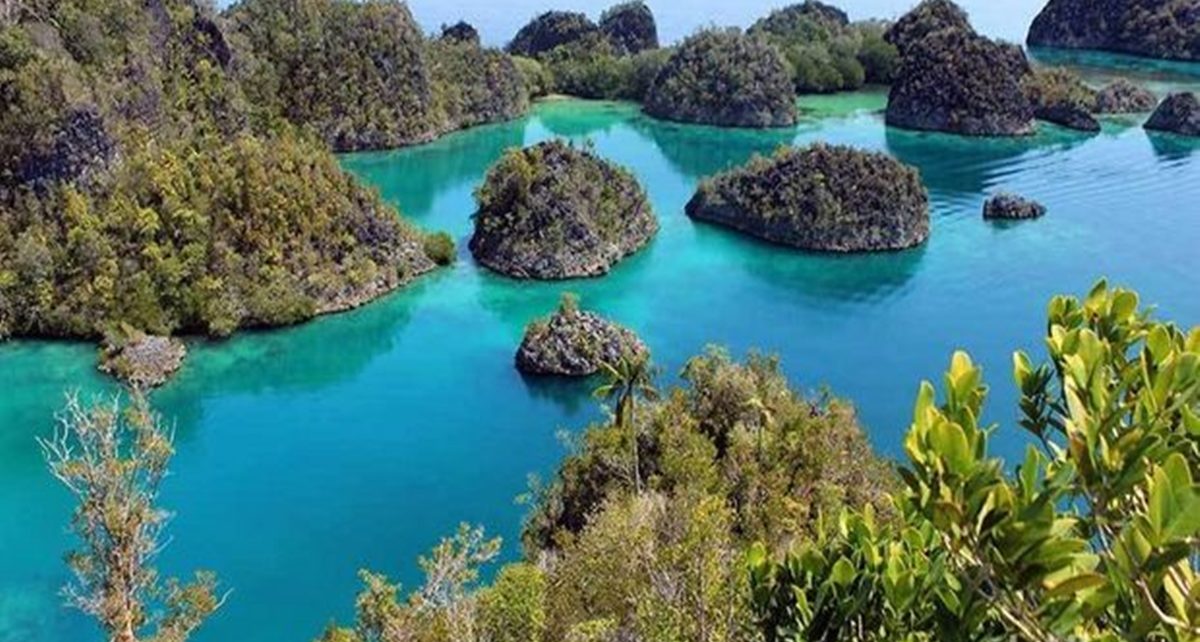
x: 725, y: 78
x: 1178, y: 114
x: 141, y: 360
x: 574, y: 343
x: 1012, y: 207
x: 161, y: 177
x: 1152, y: 28
x: 954, y: 80
x: 823, y: 198
x: 555, y: 211
x: 630, y: 27
x: 1123, y: 97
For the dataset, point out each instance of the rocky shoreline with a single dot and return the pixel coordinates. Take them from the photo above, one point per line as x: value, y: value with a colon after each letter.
x: 574, y: 343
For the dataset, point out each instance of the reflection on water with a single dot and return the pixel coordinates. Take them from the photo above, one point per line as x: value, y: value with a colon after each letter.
x: 357, y: 440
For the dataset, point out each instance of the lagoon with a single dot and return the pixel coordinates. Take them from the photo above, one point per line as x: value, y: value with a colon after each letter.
x: 358, y: 440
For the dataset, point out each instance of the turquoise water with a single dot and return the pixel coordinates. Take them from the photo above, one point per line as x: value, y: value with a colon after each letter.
x: 358, y: 440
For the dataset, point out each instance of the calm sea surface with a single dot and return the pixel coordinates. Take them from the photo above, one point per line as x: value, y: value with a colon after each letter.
x: 357, y: 440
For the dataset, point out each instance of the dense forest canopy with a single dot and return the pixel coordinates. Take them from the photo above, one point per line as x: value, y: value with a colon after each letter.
x: 148, y: 181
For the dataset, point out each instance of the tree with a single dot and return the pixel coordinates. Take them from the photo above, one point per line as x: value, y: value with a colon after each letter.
x: 1095, y: 537
x: 113, y: 460
x: 631, y: 378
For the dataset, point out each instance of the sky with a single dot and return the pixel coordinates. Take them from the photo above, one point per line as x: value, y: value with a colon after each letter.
x: 499, y: 20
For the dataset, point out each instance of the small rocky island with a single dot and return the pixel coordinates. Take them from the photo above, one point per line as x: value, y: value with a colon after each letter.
x: 953, y: 80
x: 548, y: 31
x: 574, y: 343
x: 555, y: 211
x: 1154, y: 28
x: 1178, y: 114
x: 1012, y: 207
x: 725, y: 78
x: 824, y: 198
x: 141, y: 360
x: 1124, y: 97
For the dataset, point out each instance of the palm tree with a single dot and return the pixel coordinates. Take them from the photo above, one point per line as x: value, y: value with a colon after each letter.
x: 630, y: 378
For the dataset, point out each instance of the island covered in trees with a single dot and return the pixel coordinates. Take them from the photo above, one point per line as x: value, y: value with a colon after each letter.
x: 169, y: 171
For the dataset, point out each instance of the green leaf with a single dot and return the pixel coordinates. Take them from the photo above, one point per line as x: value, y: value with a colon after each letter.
x: 1076, y: 584
x: 843, y: 572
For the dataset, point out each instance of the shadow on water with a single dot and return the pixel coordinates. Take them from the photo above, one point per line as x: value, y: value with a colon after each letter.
x: 959, y: 166
x: 565, y: 118
x: 302, y: 358
x: 699, y: 152
x: 1104, y: 64
x: 1172, y: 149
x: 414, y: 177
x: 571, y: 395
x: 825, y: 279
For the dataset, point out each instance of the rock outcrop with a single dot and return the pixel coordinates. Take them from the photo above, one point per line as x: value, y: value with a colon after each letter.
x: 574, y: 343
x: 1124, y: 97
x: 724, y: 78
x: 824, y: 198
x: 955, y: 81
x: 554, y: 211
x: 1012, y: 207
x: 1168, y: 29
x: 143, y: 361
x: 929, y: 17
x: 1069, y: 116
x: 630, y: 27
x: 1178, y: 114
x: 461, y: 31
x: 550, y: 30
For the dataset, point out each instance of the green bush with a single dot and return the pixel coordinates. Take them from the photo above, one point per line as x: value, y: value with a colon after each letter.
x: 1093, y: 536
x: 537, y: 81
x: 439, y: 247
x: 513, y: 608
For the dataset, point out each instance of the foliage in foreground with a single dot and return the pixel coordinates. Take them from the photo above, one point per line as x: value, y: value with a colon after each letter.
x: 641, y: 535
x: 663, y: 523
x: 1095, y: 536
x: 113, y: 460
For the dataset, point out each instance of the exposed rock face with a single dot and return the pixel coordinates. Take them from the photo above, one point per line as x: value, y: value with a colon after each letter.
x: 630, y: 27
x: 1012, y: 207
x: 461, y: 31
x: 1124, y: 97
x: 1069, y: 116
x: 79, y: 147
x: 1156, y: 28
x: 144, y: 361
x: 574, y: 343
x: 556, y: 212
x: 824, y: 198
x: 724, y: 78
x: 958, y: 82
x: 1178, y: 114
x: 929, y: 17
x: 549, y: 30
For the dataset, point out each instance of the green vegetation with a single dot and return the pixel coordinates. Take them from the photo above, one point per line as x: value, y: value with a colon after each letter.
x: 616, y: 60
x: 642, y: 532
x: 727, y: 78
x: 826, y: 52
x: 735, y: 508
x: 206, y: 237
x: 1093, y: 537
x: 161, y: 173
x: 553, y: 211
x: 1050, y: 86
x: 114, y: 460
x: 365, y: 77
